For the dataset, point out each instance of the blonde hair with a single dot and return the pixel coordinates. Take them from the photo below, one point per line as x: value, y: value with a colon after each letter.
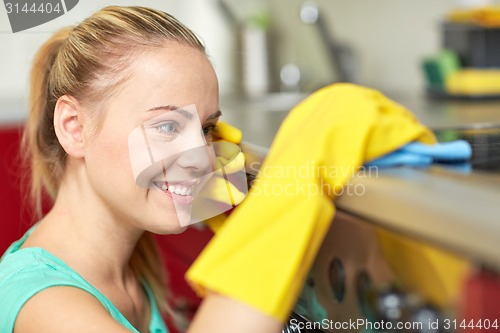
x: 88, y: 62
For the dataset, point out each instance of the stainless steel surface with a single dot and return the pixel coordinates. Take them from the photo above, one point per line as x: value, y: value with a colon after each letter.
x: 355, y: 244
x: 455, y: 211
x: 259, y: 119
x: 376, y: 289
x: 440, y: 114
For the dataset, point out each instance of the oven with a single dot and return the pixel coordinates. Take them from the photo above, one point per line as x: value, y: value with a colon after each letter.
x: 417, y: 251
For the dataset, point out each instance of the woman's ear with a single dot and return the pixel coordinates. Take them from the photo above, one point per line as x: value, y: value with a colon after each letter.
x: 68, y: 125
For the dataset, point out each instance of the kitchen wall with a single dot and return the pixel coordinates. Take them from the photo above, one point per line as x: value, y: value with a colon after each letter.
x: 17, y: 50
x: 389, y: 38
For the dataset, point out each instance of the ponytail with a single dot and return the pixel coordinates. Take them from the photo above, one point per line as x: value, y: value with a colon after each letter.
x: 40, y: 147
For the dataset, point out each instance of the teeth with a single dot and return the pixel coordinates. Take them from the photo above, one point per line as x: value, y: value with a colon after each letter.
x: 179, y: 190
x: 182, y: 190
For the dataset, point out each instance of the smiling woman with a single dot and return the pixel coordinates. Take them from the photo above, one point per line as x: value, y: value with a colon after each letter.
x: 91, y: 260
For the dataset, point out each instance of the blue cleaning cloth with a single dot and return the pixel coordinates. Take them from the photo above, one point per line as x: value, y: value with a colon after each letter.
x: 421, y: 155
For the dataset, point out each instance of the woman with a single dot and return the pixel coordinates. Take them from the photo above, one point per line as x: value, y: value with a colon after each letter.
x: 89, y: 265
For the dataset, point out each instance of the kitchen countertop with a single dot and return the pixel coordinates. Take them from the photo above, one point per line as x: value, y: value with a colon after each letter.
x: 259, y: 119
x: 455, y: 113
x: 456, y: 211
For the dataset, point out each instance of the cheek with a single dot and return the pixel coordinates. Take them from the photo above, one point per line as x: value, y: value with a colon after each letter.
x: 108, y: 158
x: 114, y: 148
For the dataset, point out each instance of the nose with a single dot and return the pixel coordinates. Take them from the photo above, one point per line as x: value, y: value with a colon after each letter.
x: 197, y: 155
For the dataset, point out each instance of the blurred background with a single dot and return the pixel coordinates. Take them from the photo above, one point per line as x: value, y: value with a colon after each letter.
x: 269, y: 46
x: 439, y: 58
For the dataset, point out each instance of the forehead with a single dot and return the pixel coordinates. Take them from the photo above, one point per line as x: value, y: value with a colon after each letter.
x: 171, y: 75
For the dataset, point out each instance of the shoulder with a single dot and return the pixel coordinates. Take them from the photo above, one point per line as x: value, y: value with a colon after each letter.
x: 36, y: 285
x: 65, y: 309
x: 26, y: 272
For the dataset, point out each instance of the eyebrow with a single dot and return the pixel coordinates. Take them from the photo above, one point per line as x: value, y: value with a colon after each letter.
x: 184, y: 112
x: 177, y: 109
x: 215, y: 115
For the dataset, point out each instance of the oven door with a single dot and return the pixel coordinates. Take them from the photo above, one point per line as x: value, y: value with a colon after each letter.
x: 366, y: 277
x: 417, y: 252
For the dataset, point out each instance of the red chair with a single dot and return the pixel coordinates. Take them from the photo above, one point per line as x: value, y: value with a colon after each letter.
x: 16, y: 216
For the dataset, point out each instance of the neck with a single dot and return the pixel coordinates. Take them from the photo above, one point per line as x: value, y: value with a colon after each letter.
x: 81, y: 230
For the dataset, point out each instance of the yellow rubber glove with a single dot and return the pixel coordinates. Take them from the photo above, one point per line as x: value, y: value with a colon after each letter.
x: 266, y: 247
x: 227, y: 132
x: 219, y: 192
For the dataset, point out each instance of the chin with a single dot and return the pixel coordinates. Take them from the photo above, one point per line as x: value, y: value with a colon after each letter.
x: 179, y: 230
x: 167, y: 229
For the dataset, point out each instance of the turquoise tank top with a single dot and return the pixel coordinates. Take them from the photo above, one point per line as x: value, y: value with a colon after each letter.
x: 25, y: 272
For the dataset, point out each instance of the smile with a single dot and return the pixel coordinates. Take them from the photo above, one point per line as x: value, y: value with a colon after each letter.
x: 178, y: 189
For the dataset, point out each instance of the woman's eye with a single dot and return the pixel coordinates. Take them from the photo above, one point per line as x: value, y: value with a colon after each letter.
x: 168, y: 128
x: 209, y: 130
